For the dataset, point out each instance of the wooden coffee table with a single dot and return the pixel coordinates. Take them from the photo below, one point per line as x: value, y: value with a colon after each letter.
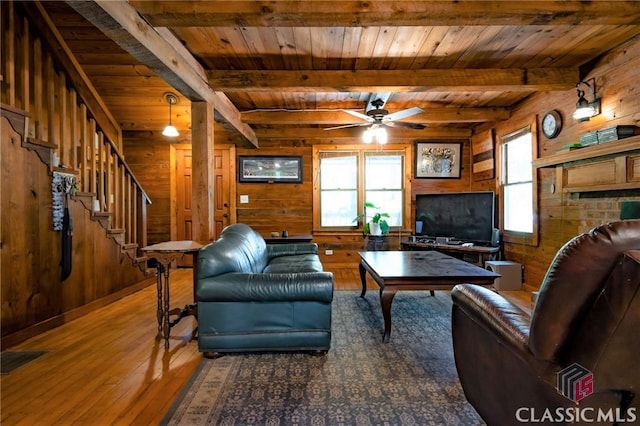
x: 416, y: 270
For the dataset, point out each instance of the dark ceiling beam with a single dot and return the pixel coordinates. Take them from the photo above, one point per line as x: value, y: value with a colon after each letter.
x: 396, y: 133
x: 429, y: 115
x: 342, y: 13
x: 418, y: 80
x: 162, y: 53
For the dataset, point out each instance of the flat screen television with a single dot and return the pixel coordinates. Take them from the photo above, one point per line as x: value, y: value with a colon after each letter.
x: 462, y: 216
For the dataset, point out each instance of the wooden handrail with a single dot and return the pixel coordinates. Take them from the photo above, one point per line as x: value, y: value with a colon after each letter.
x: 67, y: 122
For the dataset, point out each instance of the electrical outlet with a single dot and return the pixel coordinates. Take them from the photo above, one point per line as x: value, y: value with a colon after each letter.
x: 244, y: 199
x: 328, y: 252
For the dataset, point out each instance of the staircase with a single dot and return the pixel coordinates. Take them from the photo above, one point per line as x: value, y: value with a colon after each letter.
x: 53, y: 106
x: 124, y: 216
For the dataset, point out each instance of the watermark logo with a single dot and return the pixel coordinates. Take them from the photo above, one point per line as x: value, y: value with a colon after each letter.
x: 575, y: 382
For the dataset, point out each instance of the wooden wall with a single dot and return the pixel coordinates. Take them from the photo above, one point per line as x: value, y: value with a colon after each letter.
x: 148, y: 155
x: 275, y: 207
x: 563, y: 215
x: 32, y: 291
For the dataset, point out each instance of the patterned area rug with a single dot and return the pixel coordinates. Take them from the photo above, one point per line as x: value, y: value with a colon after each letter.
x: 411, y: 380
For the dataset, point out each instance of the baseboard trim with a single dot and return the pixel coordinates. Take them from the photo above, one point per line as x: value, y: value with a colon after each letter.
x: 26, y: 333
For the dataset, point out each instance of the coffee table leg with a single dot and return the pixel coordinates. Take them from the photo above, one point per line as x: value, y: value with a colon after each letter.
x: 363, y: 279
x: 386, y: 298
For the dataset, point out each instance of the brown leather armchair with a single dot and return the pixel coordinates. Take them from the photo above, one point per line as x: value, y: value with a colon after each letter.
x: 585, y: 329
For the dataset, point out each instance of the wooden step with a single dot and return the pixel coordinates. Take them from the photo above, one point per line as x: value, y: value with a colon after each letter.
x: 117, y: 234
x: 103, y: 218
x: 86, y: 198
x: 131, y: 249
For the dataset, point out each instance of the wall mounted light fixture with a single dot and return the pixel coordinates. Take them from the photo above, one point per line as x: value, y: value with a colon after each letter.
x: 586, y: 109
x: 170, y: 130
x: 375, y: 133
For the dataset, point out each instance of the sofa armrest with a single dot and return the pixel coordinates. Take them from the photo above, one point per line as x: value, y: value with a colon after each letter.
x: 306, y: 286
x: 290, y: 249
x: 500, y: 317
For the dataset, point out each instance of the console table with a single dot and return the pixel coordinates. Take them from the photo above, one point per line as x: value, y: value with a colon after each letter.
x: 477, y: 255
x: 165, y: 253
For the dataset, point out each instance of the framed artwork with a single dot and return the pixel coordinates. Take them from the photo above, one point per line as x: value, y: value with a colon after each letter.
x: 271, y: 169
x: 438, y: 160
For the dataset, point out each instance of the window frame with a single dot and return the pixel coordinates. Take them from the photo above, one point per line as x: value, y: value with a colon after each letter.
x: 361, y: 150
x: 524, y: 238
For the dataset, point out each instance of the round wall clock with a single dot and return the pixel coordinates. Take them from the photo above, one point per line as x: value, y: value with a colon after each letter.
x: 551, y: 124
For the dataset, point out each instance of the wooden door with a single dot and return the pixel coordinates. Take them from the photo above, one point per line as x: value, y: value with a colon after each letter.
x: 224, y: 211
x: 183, y: 223
x: 224, y: 188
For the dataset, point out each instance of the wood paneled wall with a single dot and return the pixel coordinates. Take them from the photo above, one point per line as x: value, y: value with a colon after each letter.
x: 148, y: 155
x: 275, y: 207
x: 32, y: 291
x: 36, y: 85
x: 564, y: 215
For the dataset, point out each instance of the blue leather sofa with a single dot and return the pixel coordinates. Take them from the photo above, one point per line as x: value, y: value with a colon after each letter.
x: 254, y: 296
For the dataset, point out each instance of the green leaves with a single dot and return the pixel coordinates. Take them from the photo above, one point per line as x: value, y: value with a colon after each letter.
x: 376, y: 218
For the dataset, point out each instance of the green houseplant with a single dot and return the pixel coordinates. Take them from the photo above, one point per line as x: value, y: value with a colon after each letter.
x: 374, y: 224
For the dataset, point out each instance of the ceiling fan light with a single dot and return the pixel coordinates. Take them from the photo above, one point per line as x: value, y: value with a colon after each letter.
x: 381, y: 135
x: 367, y: 136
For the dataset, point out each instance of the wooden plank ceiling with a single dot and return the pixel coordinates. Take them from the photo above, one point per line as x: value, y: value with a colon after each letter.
x: 283, y: 65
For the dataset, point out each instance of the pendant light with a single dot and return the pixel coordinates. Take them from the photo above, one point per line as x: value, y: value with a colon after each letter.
x: 170, y: 130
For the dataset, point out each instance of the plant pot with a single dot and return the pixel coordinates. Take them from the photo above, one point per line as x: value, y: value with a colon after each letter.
x: 374, y: 228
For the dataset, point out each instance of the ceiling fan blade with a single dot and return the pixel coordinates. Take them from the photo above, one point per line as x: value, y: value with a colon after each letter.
x: 346, y: 126
x: 359, y: 115
x: 414, y: 126
x: 399, y: 115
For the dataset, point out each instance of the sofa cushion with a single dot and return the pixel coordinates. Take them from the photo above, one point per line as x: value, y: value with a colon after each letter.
x: 238, y: 249
x: 295, y: 263
x: 239, y: 287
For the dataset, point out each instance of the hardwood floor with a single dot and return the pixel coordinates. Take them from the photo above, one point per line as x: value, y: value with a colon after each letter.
x: 110, y: 366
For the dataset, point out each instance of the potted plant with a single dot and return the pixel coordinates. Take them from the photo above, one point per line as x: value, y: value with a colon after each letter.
x: 374, y: 224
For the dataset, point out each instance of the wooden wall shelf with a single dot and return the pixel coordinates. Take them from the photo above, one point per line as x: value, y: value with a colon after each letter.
x: 590, y: 152
x: 614, y: 166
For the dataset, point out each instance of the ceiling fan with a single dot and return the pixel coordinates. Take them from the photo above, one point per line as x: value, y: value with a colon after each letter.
x: 377, y: 116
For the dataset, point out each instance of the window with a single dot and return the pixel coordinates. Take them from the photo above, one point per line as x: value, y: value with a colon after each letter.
x: 349, y: 176
x: 518, y: 187
x: 338, y: 188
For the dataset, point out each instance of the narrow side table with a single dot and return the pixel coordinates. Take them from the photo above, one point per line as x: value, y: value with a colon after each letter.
x: 165, y: 253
